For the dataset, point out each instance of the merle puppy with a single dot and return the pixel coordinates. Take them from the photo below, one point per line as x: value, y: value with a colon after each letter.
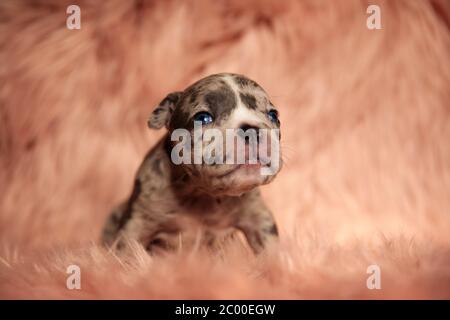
x: 175, y: 205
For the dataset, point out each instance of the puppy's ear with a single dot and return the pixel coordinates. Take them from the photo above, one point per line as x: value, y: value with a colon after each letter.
x: 161, y: 115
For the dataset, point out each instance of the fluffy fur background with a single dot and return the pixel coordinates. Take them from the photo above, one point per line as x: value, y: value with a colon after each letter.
x: 366, y: 135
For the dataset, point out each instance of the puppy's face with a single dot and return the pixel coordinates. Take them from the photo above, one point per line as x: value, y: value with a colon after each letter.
x: 225, y: 116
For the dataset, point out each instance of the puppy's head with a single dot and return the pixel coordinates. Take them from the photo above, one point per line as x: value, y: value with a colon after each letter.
x: 216, y: 127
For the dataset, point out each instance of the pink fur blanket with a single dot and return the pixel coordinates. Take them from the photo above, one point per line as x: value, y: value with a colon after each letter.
x: 366, y: 141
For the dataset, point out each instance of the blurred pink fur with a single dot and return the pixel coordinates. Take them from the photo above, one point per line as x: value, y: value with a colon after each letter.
x: 365, y: 126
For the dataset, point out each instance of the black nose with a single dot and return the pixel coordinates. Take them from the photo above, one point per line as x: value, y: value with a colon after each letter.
x: 247, y: 134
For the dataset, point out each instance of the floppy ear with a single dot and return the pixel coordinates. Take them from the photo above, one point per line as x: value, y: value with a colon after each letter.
x: 161, y: 115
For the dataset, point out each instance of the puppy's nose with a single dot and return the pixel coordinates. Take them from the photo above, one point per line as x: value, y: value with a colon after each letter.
x: 244, y: 127
x: 247, y: 126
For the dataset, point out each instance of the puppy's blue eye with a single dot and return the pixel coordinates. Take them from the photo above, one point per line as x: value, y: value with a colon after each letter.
x: 203, y: 117
x: 273, y: 116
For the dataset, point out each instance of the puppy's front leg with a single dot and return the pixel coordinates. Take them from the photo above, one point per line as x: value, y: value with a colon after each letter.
x: 136, y: 229
x: 256, y: 222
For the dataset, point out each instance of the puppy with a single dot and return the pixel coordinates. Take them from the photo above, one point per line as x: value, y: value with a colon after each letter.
x: 180, y: 204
